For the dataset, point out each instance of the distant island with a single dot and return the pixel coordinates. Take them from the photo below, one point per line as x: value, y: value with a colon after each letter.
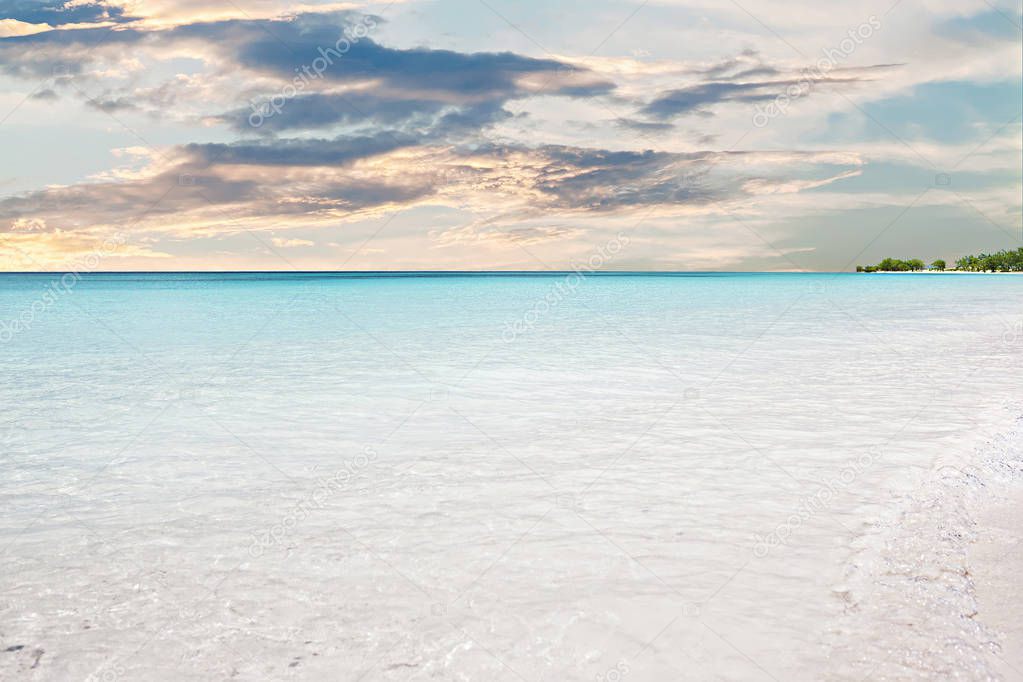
x: 1003, y: 261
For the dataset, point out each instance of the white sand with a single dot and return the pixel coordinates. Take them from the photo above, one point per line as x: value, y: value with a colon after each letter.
x: 996, y: 564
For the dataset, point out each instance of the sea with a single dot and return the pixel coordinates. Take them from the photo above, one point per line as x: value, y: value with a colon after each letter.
x: 506, y: 476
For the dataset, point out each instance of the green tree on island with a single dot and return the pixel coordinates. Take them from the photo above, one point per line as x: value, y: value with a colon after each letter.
x: 894, y: 265
x: 1003, y: 261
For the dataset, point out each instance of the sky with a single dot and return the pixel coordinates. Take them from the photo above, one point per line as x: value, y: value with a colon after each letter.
x: 498, y: 134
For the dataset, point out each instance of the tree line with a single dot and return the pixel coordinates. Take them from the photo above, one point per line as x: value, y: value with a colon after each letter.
x: 1003, y: 261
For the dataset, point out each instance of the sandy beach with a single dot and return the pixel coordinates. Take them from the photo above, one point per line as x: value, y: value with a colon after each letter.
x: 996, y: 564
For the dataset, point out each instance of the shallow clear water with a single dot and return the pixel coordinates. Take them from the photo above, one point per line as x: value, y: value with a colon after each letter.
x: 515, y: 477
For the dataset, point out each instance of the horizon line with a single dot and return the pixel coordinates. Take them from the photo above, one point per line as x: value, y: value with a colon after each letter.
x: 429, y: 272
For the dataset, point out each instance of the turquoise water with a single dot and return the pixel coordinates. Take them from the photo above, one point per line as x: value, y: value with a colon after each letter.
x: 410, y: 476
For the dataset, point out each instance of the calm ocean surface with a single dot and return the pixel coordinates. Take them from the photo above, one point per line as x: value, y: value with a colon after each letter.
x: 515, y: 476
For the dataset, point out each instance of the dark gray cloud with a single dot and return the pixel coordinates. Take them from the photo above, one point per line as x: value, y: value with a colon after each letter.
x: 412, y: 87
x: 645, y: 126
x: 299, y: 152
x: 188, y: 190
x: 431, y: 118
x: 467, y: 120
x: 60, y: 12
x: 746, y: 64
x: 314, y: 54
x: 745, y: 78
x: 342, y: 43
x: 258, y: 179
x: 436, y: 70
x: 601, y: 180
x: 696, y: 99
x: 127, y: 202
x: 323, y: 110
x: 110, y: 104
x: 686, y: 100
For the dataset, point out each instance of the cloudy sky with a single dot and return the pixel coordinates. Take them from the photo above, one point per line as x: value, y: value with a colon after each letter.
x: 500, y: 134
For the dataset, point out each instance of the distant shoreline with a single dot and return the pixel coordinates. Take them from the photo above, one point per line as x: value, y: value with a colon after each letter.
x: 938, y: 272
x: 987, y: 263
